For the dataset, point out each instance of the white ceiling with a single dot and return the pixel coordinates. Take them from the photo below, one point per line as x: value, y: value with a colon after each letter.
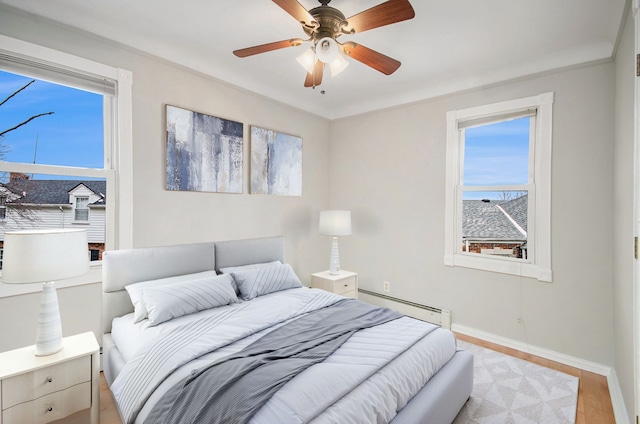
x: 450, y: 45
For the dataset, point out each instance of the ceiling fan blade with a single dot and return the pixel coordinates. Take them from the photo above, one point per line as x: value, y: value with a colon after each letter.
x: 386, y: 13
x: 315, y: 79
x: 295, y: 9
x: 263, y: 48
x: 372, y: 58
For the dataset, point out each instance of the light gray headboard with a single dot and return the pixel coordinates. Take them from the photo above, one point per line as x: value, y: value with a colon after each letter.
x: 123, y: 267
x: 251, y: 251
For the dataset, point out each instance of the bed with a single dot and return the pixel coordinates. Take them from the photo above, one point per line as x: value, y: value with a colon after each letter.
x: 159, y: 355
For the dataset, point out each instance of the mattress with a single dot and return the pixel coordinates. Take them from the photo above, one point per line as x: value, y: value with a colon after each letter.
x: 383, y: 366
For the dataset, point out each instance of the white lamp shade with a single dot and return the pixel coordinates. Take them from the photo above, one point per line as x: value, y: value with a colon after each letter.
x: 338, y: 65
x: 327, y: 49
x: 308, y: 60
x: 335, y: 223
x: 36, y: 256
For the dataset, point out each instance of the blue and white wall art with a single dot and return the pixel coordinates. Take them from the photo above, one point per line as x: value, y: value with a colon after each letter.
x: 204, y: 153
x: 276, y: 163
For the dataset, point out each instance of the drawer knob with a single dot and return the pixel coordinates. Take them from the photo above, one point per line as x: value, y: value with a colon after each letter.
x: 49, y: 408
x: 49, y: 379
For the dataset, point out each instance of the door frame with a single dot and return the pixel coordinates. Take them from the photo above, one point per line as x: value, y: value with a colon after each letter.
x: 636, y: 268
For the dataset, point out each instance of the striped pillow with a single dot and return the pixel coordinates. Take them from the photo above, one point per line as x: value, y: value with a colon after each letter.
x: 265, y: 280
x: 230, y: 269
x: 164, y: 303
x: 135, y: 290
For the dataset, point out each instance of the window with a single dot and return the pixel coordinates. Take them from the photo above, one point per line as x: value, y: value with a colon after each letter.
x: 43, y: 122
x: 498, y: 187
x: 94, y: 254
x: 107, y: 177
x: 82, y: 209
x: 3, y: 208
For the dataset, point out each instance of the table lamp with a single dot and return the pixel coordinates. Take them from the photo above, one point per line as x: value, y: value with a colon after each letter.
x: 335, y: 223
x: 41, y: 256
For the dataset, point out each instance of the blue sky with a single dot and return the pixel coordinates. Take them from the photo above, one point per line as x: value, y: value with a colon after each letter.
x: 72, y: 136
x: 496, y: 154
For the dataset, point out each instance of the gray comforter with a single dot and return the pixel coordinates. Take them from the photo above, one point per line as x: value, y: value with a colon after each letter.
x: 233, y: 388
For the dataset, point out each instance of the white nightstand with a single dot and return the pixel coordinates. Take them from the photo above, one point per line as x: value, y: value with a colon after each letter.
x: 345, y: 283
x: 42, y: 389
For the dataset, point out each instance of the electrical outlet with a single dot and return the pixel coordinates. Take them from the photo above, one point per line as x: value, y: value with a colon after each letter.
x: 386, y: 286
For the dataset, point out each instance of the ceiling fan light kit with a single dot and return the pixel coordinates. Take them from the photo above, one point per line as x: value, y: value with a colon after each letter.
x: 338, y: 65
x: 308, y: 59
x: 326, y: 49
x: 324, y: 24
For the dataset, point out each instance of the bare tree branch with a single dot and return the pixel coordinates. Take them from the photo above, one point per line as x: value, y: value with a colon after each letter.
x: 16, y: 92
x: 17, y: 212
x: 25, y: 122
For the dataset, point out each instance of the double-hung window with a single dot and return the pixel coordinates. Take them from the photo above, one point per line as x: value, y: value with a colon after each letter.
x: 498, y: 187
x: 43, y: 180
x: 82, y: 209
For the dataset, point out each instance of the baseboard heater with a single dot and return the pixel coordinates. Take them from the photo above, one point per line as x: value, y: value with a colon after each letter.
x: 441, y: 317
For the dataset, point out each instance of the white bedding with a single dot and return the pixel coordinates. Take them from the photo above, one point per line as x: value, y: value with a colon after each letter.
x: 406, y: 351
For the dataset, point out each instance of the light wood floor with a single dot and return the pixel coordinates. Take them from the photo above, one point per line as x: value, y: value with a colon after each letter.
x: 594, y: 401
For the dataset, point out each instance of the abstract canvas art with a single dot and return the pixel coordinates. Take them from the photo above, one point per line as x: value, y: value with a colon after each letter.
x: 204, y: 153
x: 276, y: 163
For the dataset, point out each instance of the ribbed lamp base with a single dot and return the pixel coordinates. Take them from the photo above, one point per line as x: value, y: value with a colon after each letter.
x: 334, y: 259
x: 49, y: 329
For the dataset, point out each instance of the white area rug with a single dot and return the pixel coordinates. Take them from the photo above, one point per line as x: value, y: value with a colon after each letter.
x: 512, y: 391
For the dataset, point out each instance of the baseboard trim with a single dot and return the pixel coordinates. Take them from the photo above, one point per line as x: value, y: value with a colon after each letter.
x: 617, y: 401
x: 583, y: 364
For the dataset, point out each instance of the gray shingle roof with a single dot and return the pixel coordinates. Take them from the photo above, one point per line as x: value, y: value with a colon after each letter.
x: 517, y: 209
x: 485, y: 220
x: 53, y: 192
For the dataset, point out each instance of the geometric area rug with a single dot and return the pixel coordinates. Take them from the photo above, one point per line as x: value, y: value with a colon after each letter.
x: 508, y: 390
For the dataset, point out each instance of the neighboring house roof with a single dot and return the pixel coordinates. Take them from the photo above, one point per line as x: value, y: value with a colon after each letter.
x: 494, y: 220
x: 53, y: 192
x: 517, y: 210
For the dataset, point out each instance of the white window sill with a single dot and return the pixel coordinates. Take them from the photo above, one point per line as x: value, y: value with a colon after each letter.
x: 94, y: 276
x: 500, y: 265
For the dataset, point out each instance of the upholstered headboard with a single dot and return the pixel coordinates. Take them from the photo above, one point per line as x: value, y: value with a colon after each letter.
x: 251, y: 251
x: 123, y: 267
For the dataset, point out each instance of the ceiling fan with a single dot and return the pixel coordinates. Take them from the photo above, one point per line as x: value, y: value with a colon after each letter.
x: 324, y: 24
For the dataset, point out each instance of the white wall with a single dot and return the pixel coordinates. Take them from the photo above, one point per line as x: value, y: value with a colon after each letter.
x: 623, y: 230
x: 388, y: 167
x: 167, y: 217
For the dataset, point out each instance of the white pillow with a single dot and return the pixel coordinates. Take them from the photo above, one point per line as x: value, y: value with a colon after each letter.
x: 265, y: 280
x: 230, y: 269
x: 187, y: 297
x: 140, y: 312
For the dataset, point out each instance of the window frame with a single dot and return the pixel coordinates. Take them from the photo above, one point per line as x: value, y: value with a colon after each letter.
x: 118, y: 135
x: 537, y: 265
x: 85, y: 209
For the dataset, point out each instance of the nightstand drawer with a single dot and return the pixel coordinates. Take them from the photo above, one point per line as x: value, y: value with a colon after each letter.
x: 50, y: 407
x: 35, y: 384
x: 351, y: 294
x: 344, y: 285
